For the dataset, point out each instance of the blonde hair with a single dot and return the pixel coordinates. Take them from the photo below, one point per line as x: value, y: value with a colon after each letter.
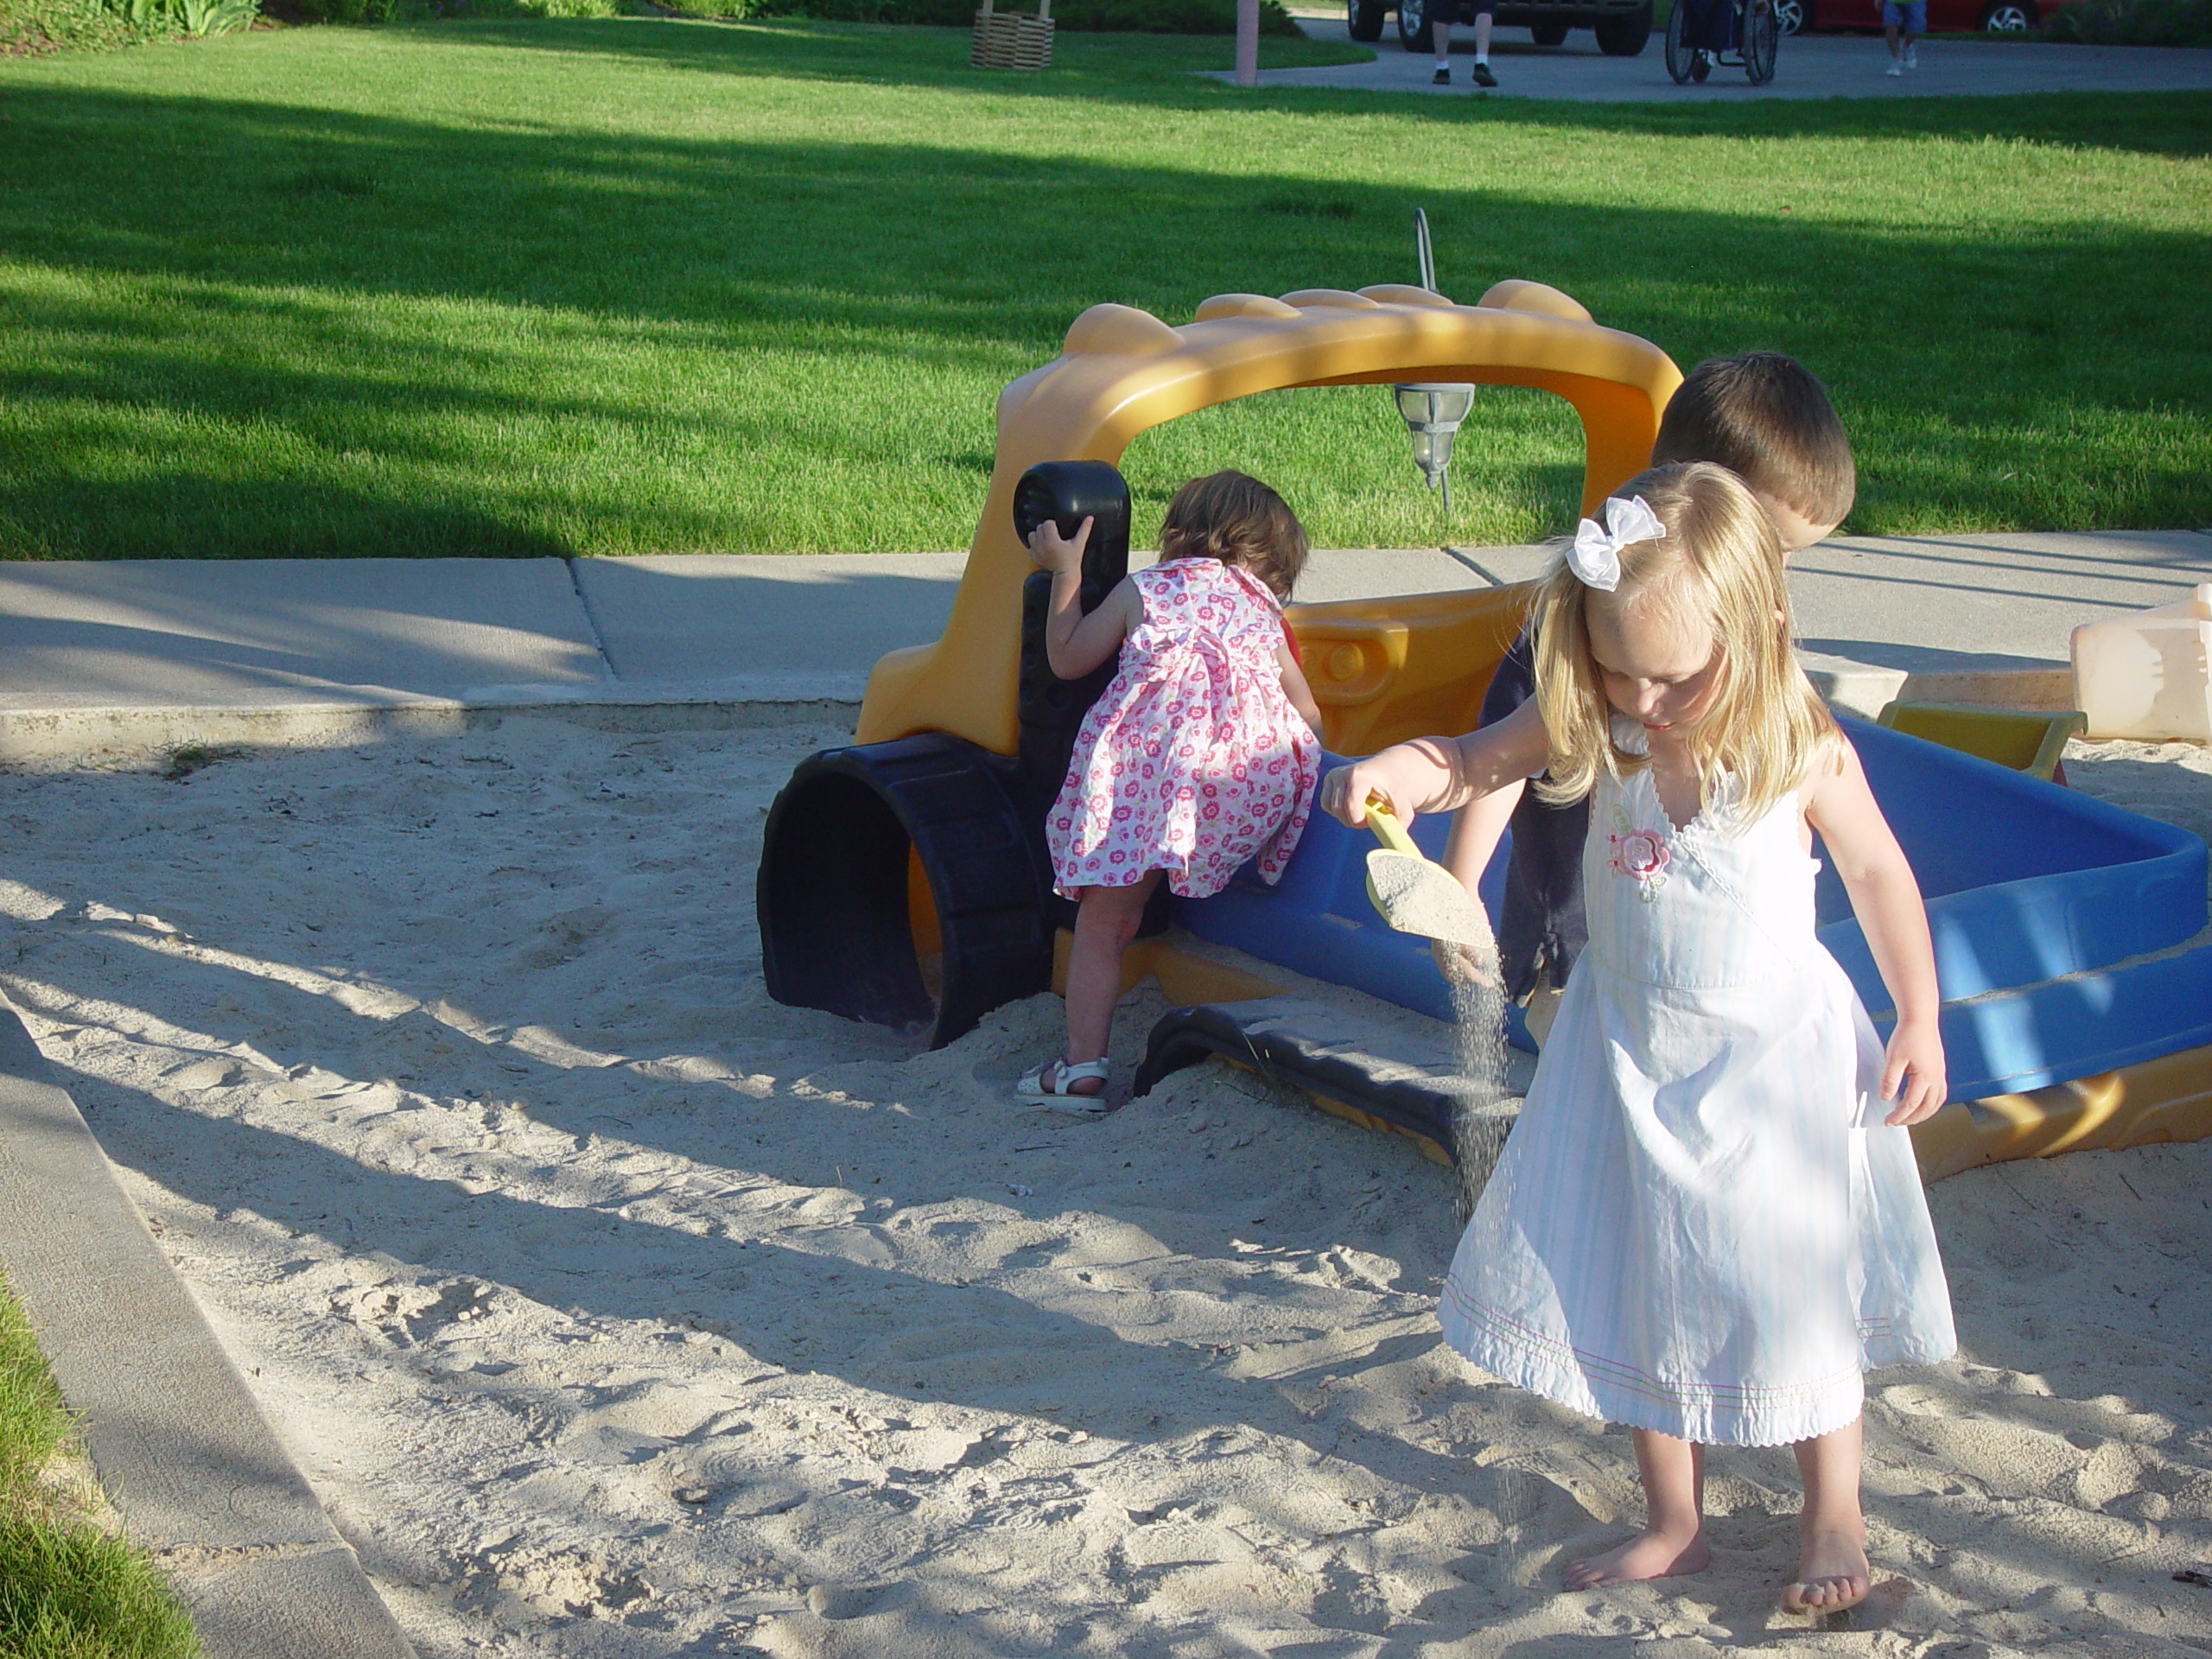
x: 1232, y: 517
x: 1719, y: 565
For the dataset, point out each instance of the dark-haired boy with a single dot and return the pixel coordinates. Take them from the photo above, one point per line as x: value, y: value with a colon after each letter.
x: 1766, y: 418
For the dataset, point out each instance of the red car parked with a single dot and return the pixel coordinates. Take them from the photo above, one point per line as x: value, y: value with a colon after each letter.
x: 1998, y: 16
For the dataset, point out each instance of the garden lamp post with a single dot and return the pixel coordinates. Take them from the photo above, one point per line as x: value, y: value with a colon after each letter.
x: 1432, y: 409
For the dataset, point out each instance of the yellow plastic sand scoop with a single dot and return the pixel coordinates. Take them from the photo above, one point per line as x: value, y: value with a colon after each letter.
x: 1416, y: 896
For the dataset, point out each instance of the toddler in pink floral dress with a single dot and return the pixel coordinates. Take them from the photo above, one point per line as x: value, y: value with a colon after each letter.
x: 1199, y: 757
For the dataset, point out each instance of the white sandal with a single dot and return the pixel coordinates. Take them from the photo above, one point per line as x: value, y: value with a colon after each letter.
x: 1032, y: 1086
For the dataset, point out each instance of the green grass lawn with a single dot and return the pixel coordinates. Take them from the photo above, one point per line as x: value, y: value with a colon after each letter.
x: 67, y: 1589
x: 626, y: 285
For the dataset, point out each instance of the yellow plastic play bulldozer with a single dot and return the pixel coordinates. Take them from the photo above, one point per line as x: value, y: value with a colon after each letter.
x: 903, y: 878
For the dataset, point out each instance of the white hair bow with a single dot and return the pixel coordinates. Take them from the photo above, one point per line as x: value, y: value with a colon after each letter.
x: 1595, y: 558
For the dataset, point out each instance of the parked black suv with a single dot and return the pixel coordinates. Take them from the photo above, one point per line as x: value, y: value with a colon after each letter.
x: 1623, y: 26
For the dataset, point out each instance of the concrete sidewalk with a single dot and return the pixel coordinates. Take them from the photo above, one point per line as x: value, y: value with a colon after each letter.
x: 143, y: 657
x: 1962, y: 619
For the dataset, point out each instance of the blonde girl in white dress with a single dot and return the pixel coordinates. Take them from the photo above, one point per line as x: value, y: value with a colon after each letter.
x: 1707, y: 1223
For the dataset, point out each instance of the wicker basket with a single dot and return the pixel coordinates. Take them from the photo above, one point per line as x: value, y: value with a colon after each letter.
x: 1013, y: 40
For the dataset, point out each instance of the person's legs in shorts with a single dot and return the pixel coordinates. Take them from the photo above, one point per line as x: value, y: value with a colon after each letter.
x: 1907, y: 19
x: 1443, y: 14
x: 1485, y: 14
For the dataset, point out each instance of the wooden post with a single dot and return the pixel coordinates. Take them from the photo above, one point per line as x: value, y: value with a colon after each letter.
x: 1248, y: 42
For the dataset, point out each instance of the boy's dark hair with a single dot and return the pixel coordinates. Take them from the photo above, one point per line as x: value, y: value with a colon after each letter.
x: 1764, y: 416
x: 1235, y: 519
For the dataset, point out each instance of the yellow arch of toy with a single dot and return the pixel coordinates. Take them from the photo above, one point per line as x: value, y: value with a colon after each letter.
x: 1122, y: 371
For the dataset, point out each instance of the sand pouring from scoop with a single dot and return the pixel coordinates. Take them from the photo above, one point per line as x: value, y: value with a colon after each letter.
x: 1416, y: 896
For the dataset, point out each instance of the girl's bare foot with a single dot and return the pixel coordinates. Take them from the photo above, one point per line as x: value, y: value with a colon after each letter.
x: 1832, y: 1573
x: 1650, y: 1554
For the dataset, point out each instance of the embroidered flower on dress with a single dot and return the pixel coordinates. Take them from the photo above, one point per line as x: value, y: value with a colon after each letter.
x: 1641, y: 854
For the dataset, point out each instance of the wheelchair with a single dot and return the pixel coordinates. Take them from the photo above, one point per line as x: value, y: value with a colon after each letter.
x: 1701, y: 32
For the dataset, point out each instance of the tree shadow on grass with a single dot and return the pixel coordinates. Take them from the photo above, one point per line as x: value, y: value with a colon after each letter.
x: 524, y: 323
x: 170, y: 510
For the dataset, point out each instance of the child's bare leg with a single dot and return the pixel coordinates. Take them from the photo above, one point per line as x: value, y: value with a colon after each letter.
x: 1673, y: 1539
x: 1832, y: 1569
x: 1105, y: 921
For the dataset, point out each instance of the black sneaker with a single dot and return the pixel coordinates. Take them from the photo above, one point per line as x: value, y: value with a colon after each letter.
x: 1483, y: 76
x: 1443, y: 77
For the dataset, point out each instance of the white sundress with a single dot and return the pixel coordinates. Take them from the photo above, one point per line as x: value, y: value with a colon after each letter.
x: 1701, y: 1224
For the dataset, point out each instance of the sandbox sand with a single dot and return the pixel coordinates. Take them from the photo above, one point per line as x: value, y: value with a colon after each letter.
x: 613, y: 1311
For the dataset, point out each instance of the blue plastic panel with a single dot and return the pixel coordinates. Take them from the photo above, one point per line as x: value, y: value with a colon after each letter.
x: 2076, y: 1028
x: 1318, y: 920
x: 2035, y: 893
x: 2025, y: 881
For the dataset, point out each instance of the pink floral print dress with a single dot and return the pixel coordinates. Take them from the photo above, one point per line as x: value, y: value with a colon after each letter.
x: 1193, y: 761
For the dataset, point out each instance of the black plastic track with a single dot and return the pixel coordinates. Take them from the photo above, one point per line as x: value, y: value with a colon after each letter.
x: 831, y: 892
x: 1318, y: 1049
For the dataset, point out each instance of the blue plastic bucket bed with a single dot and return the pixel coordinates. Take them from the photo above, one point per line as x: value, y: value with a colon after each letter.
x: 2050, y: 910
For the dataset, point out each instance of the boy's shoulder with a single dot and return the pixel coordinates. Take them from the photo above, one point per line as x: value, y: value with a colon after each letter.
x: 1515, y: 681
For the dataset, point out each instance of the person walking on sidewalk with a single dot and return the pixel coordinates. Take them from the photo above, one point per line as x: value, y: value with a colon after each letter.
x: 1908, y: 18
x: 1443, y: 13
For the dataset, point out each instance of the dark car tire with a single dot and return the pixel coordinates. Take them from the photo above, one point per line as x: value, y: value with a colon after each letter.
x: 1364, y: 19
x: 1413, y: 26
x: 1794, y: 16
x: 2009, y: 17
x: 1547, y: 34
x: 1624, y: 37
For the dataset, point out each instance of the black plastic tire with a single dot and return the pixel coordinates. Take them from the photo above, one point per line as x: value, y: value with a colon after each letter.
x: 1413, y: 26
x: 832, y: 894
x: 1547, y: 34
x: 1624, y: 37
x: 1364, y: 19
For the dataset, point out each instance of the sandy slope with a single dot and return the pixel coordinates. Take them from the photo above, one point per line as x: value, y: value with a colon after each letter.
x: 615, y: 1311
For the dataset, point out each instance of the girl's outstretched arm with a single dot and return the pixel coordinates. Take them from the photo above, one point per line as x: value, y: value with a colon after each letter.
x: 1476, y: 831
x: 1076, y: 644
x: 1295, y: 688
x: 1476, y: 828
x: 1431, y: 775
x: 1886, y: 901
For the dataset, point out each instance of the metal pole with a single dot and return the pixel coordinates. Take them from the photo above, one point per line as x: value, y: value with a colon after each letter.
x: 1422, y: 249
x: 1248, y: 42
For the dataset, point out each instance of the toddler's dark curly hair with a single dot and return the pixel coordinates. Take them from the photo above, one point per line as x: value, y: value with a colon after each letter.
x: 1232, y: 517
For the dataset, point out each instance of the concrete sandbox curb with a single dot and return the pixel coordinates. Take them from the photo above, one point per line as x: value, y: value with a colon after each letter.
x: 181, y: 1449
